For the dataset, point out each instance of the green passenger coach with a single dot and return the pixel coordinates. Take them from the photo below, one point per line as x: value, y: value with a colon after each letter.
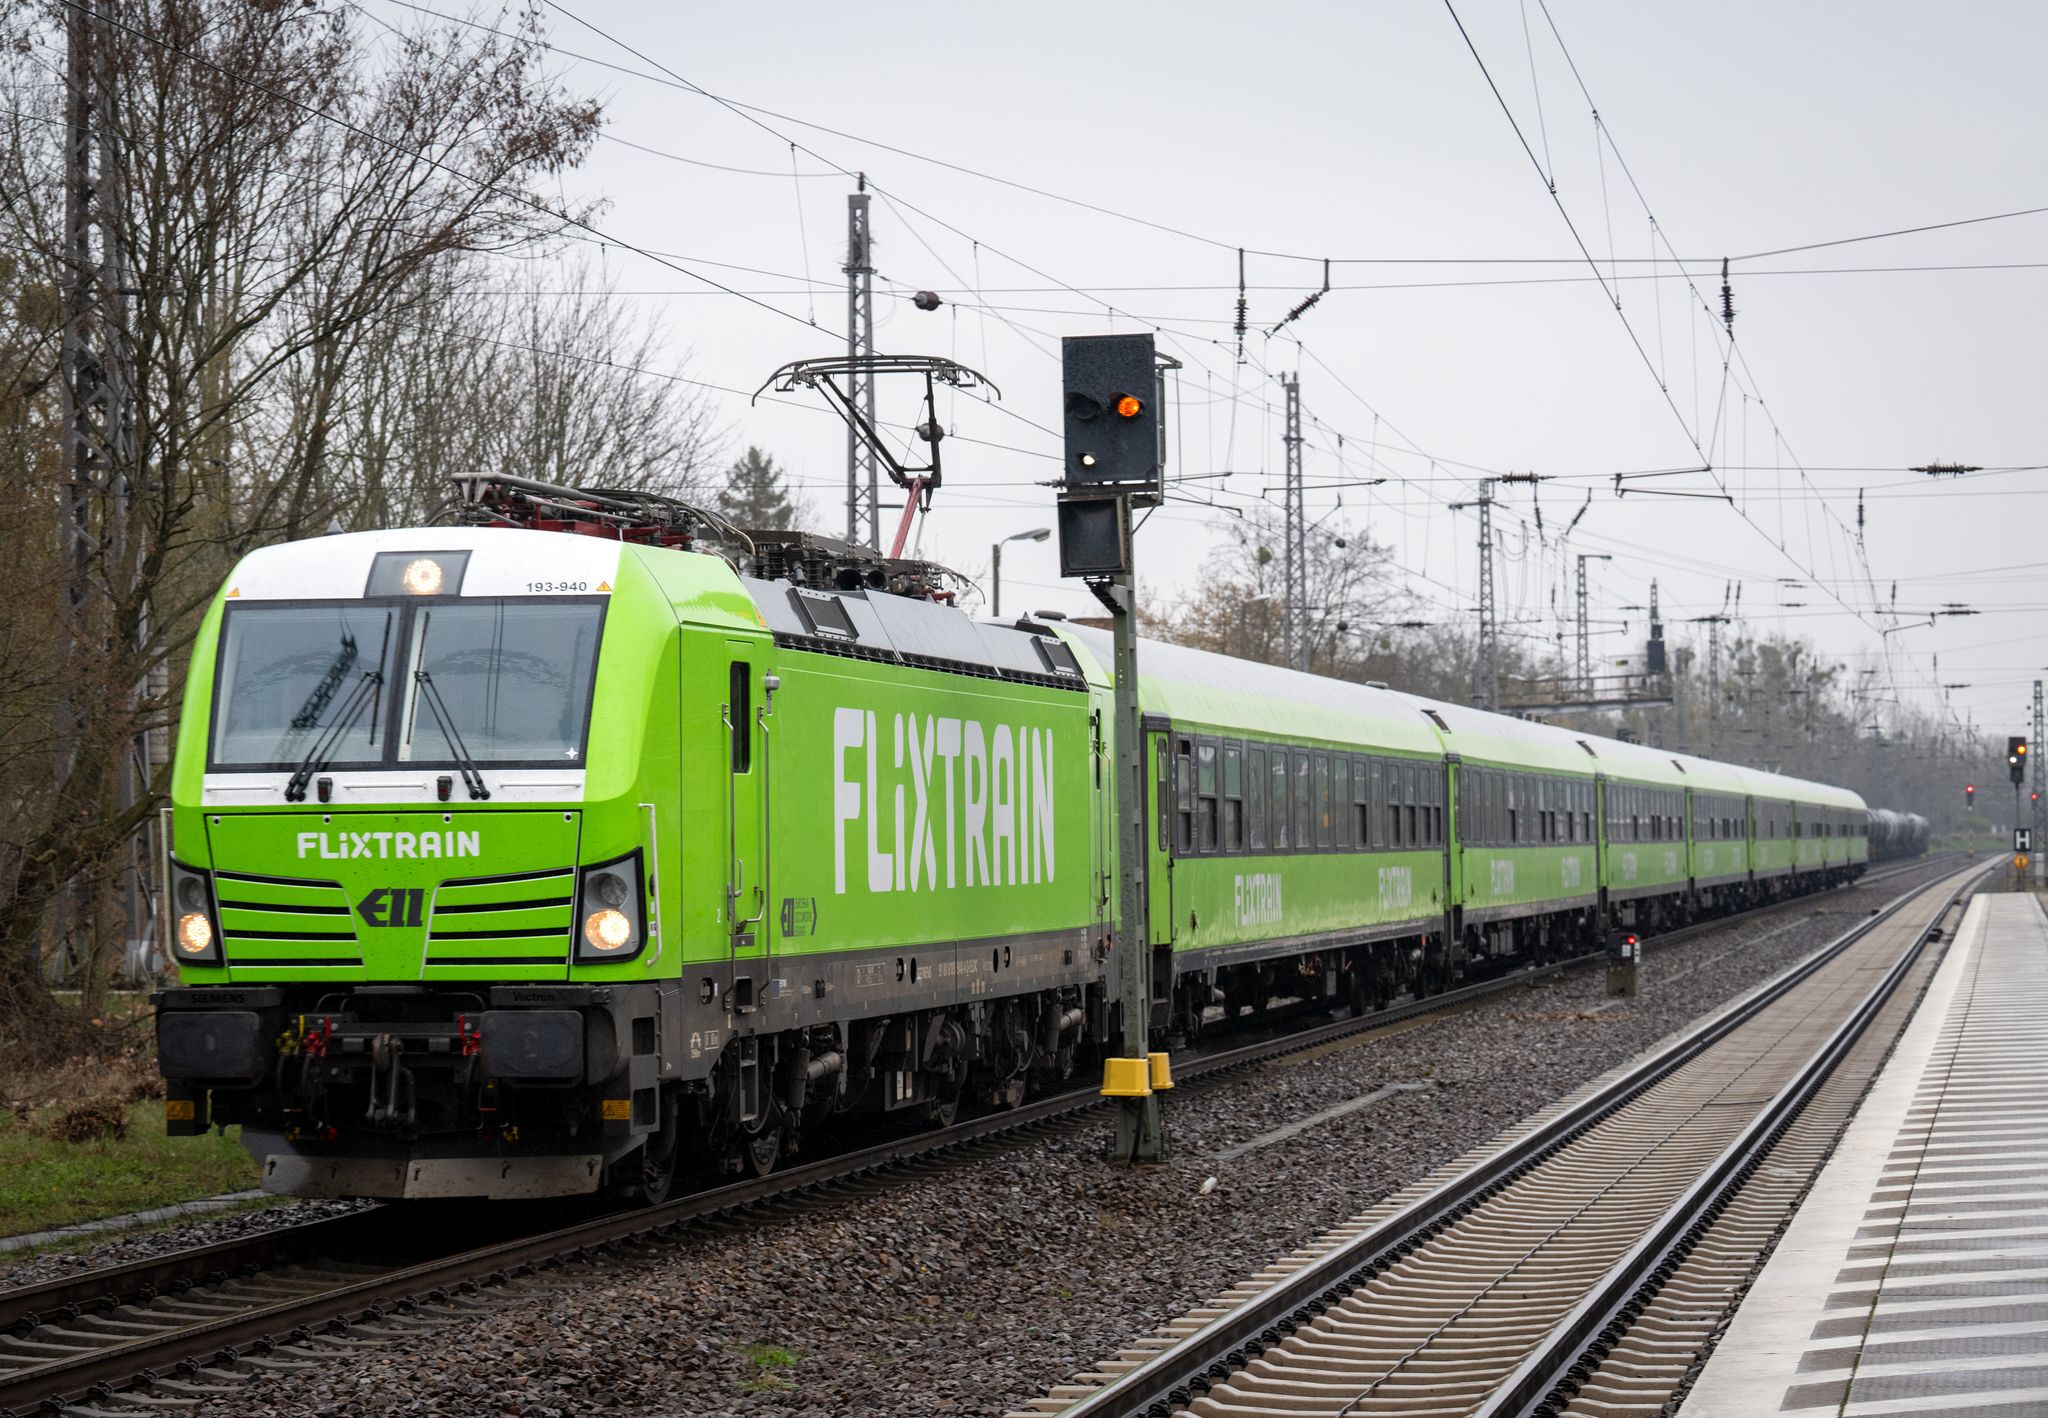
x: 570, y: 850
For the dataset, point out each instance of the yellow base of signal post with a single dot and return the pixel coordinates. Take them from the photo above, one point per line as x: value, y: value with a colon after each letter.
x: 1162, y: 1072
x: 1126, y: 1078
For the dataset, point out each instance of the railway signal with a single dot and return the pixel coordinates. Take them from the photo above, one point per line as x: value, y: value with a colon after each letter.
x: 1112, y: 410
x: 1970, y: 796
x: 2016, y: 758
x: 1113, y: 460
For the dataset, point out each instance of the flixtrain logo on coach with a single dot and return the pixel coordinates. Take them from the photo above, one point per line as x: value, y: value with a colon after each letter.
x: 941, y: 803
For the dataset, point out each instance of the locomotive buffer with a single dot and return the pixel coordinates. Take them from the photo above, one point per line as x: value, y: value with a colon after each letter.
x: 1115, y: 440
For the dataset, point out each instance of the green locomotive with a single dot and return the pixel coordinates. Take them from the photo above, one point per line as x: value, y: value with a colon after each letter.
x: 558, y: 854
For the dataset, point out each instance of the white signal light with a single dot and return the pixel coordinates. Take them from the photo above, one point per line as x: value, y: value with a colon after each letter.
x: 608, y: 929
x: 195, y: 933
x: 422, y: 577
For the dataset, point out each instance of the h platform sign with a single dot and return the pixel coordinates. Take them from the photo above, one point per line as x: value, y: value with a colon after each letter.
x: 2023, y: 839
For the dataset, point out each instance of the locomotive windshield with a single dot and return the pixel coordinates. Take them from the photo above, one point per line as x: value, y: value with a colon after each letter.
x: 290, y: 676
x: 372, y: 685
x: 499, y: 682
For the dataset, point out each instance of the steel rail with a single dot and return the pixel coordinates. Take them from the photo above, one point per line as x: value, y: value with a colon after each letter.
x: 1543, y: 1381
x: 1166, y: 1380
x: 264, y: 1326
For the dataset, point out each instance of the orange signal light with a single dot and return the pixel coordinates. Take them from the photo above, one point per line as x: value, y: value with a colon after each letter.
x: 1129, y: 407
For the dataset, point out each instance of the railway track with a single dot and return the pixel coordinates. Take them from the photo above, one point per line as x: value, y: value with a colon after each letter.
x: 197, y: 1323
x: 1499, y: 1285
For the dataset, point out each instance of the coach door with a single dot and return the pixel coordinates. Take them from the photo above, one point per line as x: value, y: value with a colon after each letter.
x: 746, y: 814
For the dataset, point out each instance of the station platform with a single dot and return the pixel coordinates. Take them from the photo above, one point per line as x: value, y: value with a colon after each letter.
x: 1913, y: 1280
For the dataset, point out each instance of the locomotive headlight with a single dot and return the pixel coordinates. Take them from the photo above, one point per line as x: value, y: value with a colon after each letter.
x: 423, y: 577
x: 611, y: 904
x: 608, y: 930
x: 194, y: 929
x: 195, y: 934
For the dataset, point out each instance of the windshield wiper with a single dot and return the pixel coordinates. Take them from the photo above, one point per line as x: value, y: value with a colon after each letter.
x: 366, y: 692
x: 472, y: 776
x: 323, y: 693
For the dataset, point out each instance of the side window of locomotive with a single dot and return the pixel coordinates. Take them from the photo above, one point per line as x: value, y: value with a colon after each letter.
x: 1408, y: 774
x: 740, y: 685
x: 1255, y: 797
x: 1183, y: 796
x: 1276, y: 799
x: 1233, y: 797
x: 1304, y: 806
x: 1205, y: 795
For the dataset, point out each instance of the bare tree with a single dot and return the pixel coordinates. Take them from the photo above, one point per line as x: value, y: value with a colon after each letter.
x: 277, y: 194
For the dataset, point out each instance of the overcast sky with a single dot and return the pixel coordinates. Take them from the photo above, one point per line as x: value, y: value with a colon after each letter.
x: 1465, y: 333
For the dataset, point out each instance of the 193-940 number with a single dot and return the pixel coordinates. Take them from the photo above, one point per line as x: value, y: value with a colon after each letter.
x: 546, y: 586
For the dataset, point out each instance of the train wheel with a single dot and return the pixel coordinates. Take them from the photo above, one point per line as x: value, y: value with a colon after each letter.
x: 650, y: 1176
x: 761, y: 1149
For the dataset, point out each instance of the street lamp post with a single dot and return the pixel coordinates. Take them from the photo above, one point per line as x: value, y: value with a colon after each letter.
x: 1036, y: 534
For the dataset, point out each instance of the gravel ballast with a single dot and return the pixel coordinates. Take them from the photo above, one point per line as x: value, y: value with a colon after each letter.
x: 974, y: 1287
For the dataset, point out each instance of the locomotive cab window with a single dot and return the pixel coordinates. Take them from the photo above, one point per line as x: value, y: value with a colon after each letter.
x: 291, y: 675
x: 741, y: 717
x: 483, y: 681
x: 500, y: 682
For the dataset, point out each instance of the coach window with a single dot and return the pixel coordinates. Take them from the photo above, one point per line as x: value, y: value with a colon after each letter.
x: 1340, y: 803
x: 1374, y: 796
x: 1255, y: 797
x: 1321, y: 769
x: 1276, y: 799
x: 1360, y: 806
x: 1205, y: 795
x: 1393, y: 781
x: 1304, y: 805
x: 1233, y: 797
x: 1183, y: 796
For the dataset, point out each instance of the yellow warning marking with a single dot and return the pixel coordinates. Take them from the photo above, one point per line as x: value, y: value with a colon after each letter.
x: 234, y: 592
x: 604, y: 585
x: 179, y: 1110
x: 618, y: 1110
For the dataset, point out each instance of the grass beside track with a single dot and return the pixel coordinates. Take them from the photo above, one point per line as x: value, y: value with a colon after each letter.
x: 47, y: 1182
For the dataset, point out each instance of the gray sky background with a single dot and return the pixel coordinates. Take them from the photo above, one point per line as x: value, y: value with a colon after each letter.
x: 1465, y: 333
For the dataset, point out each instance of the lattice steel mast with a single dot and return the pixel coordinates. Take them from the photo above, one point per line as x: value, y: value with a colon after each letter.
x: 863, y: 514
x: 1486, y: 667
x: 99, y: 401
x: 1295, y: 564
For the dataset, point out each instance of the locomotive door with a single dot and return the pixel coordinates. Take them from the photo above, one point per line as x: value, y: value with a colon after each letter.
x: 746, y: 816
x: 1104, y: 826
